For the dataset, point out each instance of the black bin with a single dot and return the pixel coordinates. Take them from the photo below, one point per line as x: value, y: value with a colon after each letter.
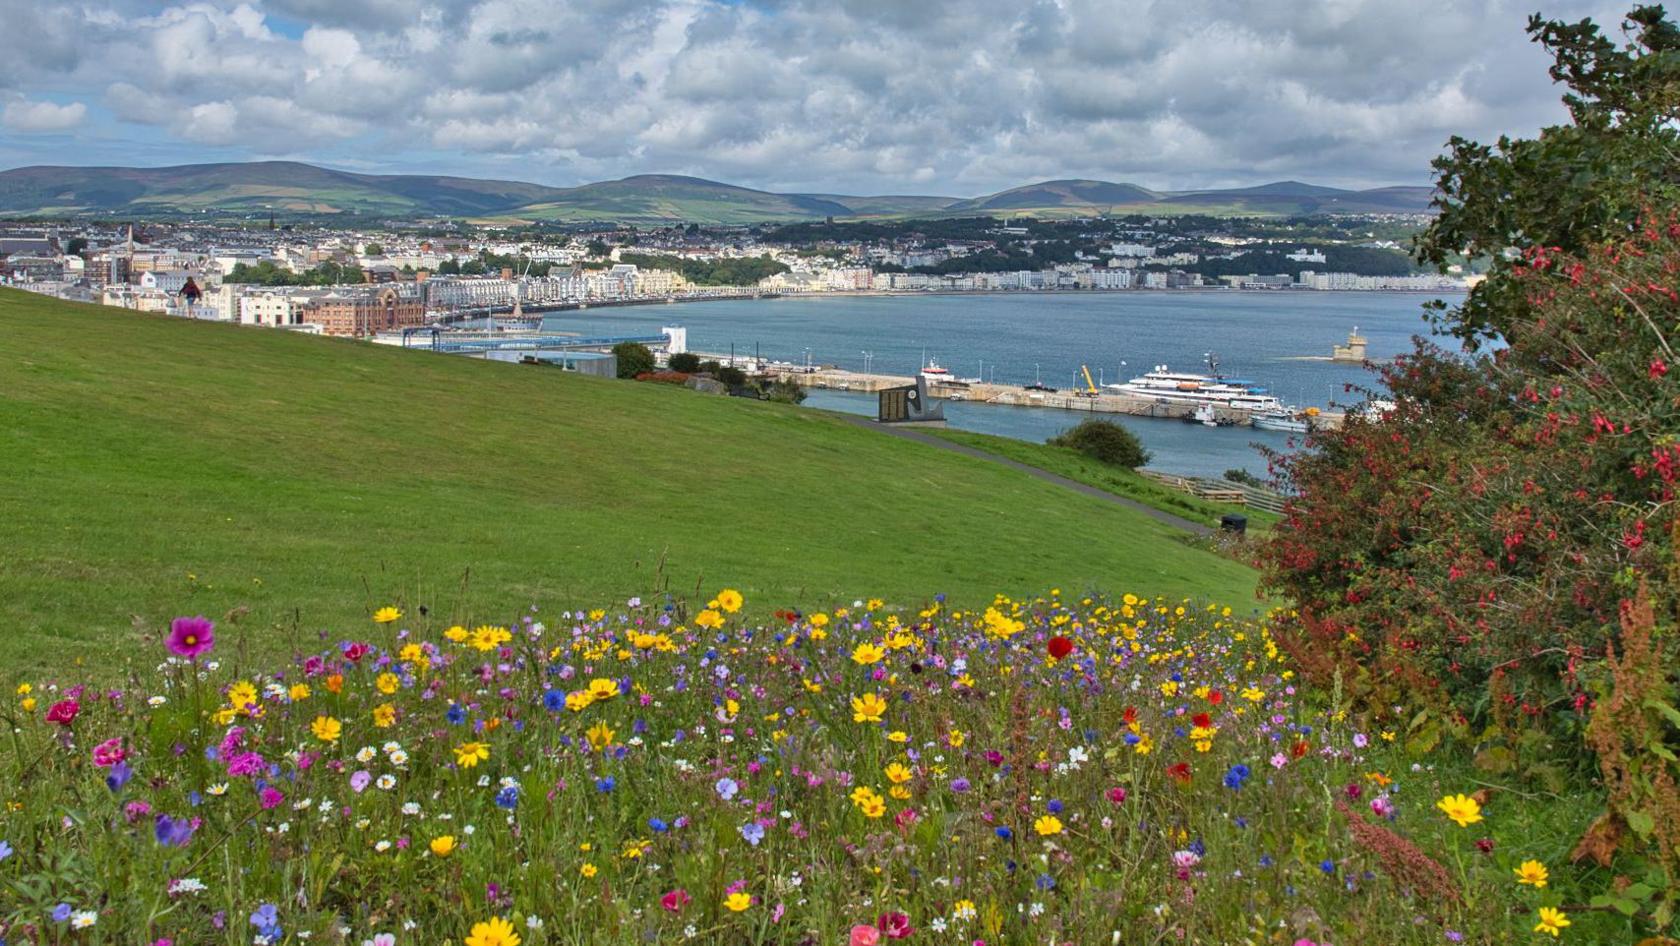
x: 1233, y: 523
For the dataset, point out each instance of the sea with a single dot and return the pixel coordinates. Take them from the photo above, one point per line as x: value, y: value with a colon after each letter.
x: 1278, y: 340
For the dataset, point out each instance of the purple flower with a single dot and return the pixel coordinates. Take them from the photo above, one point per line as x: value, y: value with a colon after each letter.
x: 360, y: 780
x: 61, y: 913
x: 189, y: 637
x: 118, y: 775
x: 172, y: 832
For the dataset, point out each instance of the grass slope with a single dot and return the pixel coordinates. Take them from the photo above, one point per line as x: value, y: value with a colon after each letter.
x: 1082, y: 469
x: 156, y: 466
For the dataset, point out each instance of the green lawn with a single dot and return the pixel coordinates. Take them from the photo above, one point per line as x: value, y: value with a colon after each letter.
x: 155, y: 467
x: 1121, y: 482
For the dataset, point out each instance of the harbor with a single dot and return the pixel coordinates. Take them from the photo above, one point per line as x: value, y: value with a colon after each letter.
x: 1012, y: 395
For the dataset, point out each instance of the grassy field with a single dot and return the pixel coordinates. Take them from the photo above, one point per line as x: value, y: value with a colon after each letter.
x: 156, y: 467
x: 1080, y: 468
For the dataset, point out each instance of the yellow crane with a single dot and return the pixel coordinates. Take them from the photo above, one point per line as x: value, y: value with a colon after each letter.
x: 1090, y: 386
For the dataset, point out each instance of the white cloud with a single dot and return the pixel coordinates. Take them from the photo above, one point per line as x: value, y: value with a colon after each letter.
x: 955, y: 96
x: 23, y: 115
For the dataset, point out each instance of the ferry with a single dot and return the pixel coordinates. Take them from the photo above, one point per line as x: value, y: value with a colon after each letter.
x: 1163, y: 384
x: 1287, y: 421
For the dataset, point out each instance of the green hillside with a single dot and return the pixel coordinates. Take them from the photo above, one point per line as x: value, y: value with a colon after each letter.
x: 291, y: 188
x: 155, y: 466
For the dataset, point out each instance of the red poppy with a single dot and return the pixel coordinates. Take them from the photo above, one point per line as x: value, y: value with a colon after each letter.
x: 1060, y: 647
x: 1180, y: 771
x: 1216, y: 697
x: 1299, y: 749
x: 1202, y: 719
x: 1131, y: 715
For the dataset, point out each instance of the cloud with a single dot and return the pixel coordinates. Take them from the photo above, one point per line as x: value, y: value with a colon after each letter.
x: 25, y: 116
x: 956, y: 96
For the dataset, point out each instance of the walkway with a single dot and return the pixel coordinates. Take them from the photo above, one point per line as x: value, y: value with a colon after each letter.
x: 911, y: 433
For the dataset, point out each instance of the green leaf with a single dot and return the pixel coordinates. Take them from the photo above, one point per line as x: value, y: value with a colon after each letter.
x: 1642, y: 823
x: 1424, y: 740
x: 1672, y: 714
x: 1496, y: 760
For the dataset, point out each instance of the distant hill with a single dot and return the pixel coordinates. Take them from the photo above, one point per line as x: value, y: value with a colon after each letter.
x: 292, y: 188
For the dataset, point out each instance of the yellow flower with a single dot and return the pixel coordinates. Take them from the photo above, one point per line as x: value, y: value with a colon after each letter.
x: 24, y: 689
x: 964, y: 910
x: 819, y: 620
x: 579, y: 700
x: 899, y: 792
x: 488, y: 638
x: 456, y: 633
x: 873, y: 604
x: 867, y: 653
x: 497, y: 932
x: 1532, y: 873
x: 444, y: 845
x: 957, y: 738
x: 1047, y: 825
x: 589, y: 870
x: 326, y: 728
x: 737, y: 901
x: 868, y: 708
x: 600, y: 736
x: 1552, y: 920
x: 469, y: 754
x: 898, y: 773
x: 28, y: 704
x: 386, y: 615
x: 729, y: 600
x: 384, y: 715
x: 1461, y: 808
x: 898, y: 735
x: 299, y: 691
x: 241, y: 695
x: 603, y: 689
x: 1144, y: 744
x: 387, y: 683
x: 709, y: 619
x: 869, y: 802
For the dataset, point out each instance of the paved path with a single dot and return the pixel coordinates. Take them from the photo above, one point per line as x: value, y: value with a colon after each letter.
x: 910, y: 433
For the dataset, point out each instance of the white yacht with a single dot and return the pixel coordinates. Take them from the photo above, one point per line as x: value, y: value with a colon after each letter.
x: 1162, y: 384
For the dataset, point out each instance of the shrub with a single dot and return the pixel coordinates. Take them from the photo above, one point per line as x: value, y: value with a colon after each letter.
x: 633, y: 359
x: 664, y: 377
x: 684, y: 361
x: 731, y: 376
x: 785, y: 391
x: 1104, y: 441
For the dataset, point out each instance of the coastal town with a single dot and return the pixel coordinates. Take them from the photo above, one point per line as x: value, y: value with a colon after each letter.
x: 362, y: 282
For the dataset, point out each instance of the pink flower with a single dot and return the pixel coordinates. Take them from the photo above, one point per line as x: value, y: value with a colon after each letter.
x: 109, y: 753
x: 360, y: 780
x: 895, y: 925
x: 865, y: 936
x: 675, y: 900
x: 64, y: 712
x: 1117, y: 794
x: 270, y: 797
x: 189, y: 637
x: 355, y: 652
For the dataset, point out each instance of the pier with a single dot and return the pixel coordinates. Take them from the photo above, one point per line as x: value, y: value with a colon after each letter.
x: 1016, y: 396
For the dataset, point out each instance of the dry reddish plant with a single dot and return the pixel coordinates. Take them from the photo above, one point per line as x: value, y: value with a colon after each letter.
x: 1404, y: 862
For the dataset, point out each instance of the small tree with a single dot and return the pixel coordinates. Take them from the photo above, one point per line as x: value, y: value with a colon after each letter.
x: 633, y: 359
x: 684, y: 361
x: 1104, y: 441
x: 731, y: 376
x: 373, y: 249
x: 785, y: 391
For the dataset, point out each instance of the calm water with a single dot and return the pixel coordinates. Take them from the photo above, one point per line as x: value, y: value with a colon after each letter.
x: 1013, y: 337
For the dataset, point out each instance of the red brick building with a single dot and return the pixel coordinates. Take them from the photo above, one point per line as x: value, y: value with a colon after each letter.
x: 361, y: 312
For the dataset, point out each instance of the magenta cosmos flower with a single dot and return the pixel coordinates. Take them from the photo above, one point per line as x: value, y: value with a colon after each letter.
x: 189, y: 637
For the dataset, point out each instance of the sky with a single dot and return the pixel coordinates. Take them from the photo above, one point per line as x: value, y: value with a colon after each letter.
x: 947, y: 97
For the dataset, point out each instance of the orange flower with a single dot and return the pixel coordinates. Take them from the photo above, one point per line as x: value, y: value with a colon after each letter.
x: 335, y: 683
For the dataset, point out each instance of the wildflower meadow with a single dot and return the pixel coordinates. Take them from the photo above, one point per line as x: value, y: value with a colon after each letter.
x: 1064, y: 769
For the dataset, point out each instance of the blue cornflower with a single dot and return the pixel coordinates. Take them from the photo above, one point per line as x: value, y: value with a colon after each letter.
x: 5, y: 850
x: 1055, y: 806
x: 753, y: 832
x: 1004, y: 832
x: 1266, y: 860
x: 554, y: 701
x: 508, y: 797
x: 605, y: 783
x: 61, y: 913
x: 658, y: 825
x: 118, y: 776
x: 1198, y: 847
x: 1046, y: 882
x: 1235, y: 776
x: 267, y: 921
x: 1133, y: 739
x: 456, y: 714
x: 171, y: 832
x: 1327, y: 865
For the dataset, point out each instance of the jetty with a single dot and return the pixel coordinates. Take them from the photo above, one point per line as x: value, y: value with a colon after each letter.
x: 1013, y: 395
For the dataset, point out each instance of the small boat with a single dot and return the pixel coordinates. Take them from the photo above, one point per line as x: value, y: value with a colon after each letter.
x: 1204, y: 415
x: 1286, y: 421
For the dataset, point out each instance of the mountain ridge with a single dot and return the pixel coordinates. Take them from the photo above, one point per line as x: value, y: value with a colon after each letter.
x: 299, y: 188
